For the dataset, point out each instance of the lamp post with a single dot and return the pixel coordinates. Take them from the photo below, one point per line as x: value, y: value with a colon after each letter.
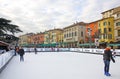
x: 89, y: 33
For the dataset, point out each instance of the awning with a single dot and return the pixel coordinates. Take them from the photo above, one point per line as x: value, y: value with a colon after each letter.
x: 113, y: 44
x: 27, y: 45
x: 87, y: 44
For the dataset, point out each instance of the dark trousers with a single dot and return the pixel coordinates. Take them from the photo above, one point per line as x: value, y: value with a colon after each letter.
x: 15, y: 53
x: 35, y: 52
x: 21, y: 58
x: 106, y: 67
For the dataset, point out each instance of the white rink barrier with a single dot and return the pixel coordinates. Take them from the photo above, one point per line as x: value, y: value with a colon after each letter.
x: 83, y: 50
x: 46, y: 49
x: 93, y: 50
x: 5, y: 57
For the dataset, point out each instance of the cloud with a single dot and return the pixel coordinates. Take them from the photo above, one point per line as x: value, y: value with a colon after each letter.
x: 40, y: 15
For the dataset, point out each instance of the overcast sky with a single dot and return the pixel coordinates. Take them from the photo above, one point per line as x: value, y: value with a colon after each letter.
x: 40, y: 15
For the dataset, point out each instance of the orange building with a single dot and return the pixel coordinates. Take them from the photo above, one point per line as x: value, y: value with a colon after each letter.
x: 37, y: 38
x: 91, y: 32
x: 41, y: 38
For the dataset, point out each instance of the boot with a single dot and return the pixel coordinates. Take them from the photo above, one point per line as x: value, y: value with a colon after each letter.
x: 107, y: 74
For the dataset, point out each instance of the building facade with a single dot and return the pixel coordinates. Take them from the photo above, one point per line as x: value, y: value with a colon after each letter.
x: 60, y: 39
x: 52, y: 36
x: 107, y: 14
x: 106, y: 30
x: 91, y: 32
x: 37, y: 38
x: 74, y: 34
x: 115, y: 12
x: 24, y: 39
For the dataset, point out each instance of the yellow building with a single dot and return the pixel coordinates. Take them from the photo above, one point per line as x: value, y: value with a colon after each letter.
x: 106, y: 30
x: 114, y: 12
x: 60, y: 39
x: 52, y: 36
x: 24, y: 39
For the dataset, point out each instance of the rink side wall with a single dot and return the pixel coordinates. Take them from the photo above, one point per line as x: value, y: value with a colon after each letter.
x: 79, y: 50
x: 5, y: 58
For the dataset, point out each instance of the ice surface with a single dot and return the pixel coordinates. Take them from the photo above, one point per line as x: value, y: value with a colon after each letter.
x: 59, y: 65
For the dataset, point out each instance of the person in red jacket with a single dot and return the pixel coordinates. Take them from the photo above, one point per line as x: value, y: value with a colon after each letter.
x: 107, y: 56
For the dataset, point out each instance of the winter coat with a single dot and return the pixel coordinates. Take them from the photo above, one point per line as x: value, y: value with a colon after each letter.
x: 108, y: 55
x: 21, y: 52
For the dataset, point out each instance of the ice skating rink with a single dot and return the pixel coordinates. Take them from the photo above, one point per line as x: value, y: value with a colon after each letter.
x: 59, y: 65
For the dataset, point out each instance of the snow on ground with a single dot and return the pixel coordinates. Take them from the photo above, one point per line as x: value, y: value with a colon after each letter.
x: 59, y: 65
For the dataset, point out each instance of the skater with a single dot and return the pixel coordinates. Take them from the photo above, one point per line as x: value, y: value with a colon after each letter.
x: 35, y: 49
x: 21, y: 53
x: 16, y: 50
x: 107, y: 56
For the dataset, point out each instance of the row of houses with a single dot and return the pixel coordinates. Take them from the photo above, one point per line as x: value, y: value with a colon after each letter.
x: 105, y: 30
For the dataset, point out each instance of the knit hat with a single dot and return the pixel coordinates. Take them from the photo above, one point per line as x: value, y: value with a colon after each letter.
x: 107, y: 48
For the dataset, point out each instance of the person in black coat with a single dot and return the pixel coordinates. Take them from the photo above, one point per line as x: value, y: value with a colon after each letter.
x: 107, y: 56
x: 21, y: 53
x: 35, y: 49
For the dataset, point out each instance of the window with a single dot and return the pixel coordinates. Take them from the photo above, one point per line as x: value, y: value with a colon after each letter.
x: 94, y: 26
x: 118, y: 24
x: 99, y: 24
x: 81, y: 27
x: 99, y: 31
x: 118, y: 15
x: 118, y: 32
x: 75, y: 28
x: 99, y: 36
x: 75, y: 33
x: 69, y: 29
x: 81, y: 34
x: 103, y: 36
x: 109, y: 29
x: 105, y: 23
x: 67, y: 34
x: 109, y: 23
x: 72, y: 34
x: 105, y: 30
x: 72, y: 29
x: 109, y: 36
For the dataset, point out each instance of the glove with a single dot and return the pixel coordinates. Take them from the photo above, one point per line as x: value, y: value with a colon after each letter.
x: 113, y: 61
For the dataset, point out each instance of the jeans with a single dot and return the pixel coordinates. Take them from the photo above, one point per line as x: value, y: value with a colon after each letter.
x: 106, y: 67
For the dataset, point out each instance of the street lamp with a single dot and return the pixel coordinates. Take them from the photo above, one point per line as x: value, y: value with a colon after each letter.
x: 89, y: 33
